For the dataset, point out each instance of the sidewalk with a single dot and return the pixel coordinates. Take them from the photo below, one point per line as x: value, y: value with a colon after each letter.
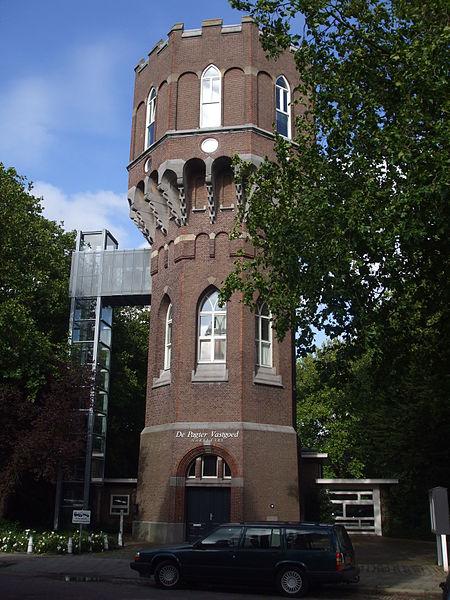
x: 387, y: 566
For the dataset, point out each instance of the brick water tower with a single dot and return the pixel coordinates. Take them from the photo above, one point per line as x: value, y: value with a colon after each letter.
x: 219, y: 442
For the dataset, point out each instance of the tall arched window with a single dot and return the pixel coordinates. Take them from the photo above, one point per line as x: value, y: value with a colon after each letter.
x: 212, y: 330
x: 210, y: 97
x: 168, y: 339
x: 150, y: 119
x: 263, y: 336
x: 283, y: 108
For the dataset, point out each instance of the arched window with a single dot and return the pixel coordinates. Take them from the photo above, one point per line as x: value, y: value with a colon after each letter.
x: 168, y: 339
x: 212, y: 330
x: 283, y: 108
x: 208, y: 466
x: 263, y: 336
x: 150, y: 119
x: 210, y: 97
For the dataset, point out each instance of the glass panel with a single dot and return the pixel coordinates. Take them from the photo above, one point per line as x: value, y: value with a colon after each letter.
x: 226, y: 470
x: 83, y: 331
x: 105, y: 334
x: 265, y: 329
x: 205, y: 325
x: 265, y: 355
x: 85, y: 309
x: 92, y: 241
x: 97, y: 468
x: 258, y: 538
x: 104, y: 356
x: 359, y: 510
x: 83, y: 352
x: 366, y: 496
x: 282, y: 123
x: 101, y: 401
x: 99, y: 424
x: 264, y: 310
x: 211, y: 115
x: 343, y: 496
x: 224, y: 537
x: 282, y: 82
x: 285, y: 101
x: 103, y: 379
x: 98, y: 445
x: 211, y: 72
x: 207, y: 306
x: 106, y: 314
x: 303, y: 540
x: 219, y: 349
x: 151, y: 134
x: 215, y: 95
x: 209, y: 466
x: 191, y: 470
x: 220, y: 325
x: 205, y: 350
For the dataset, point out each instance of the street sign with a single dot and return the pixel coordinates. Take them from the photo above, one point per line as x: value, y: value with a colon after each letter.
x: 83, y: 517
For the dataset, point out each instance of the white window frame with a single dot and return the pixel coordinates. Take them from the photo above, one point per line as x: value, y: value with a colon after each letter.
x: 284, y: 95
x: 216, y: 311
x: 117, y: 509
x: 207, y: 82
x: 168, y: 338
x: 150, y: 118
x: 258, y: 336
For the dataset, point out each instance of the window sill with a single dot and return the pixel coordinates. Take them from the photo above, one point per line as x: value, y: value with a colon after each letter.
x: 267, y: 376
x: 165, y: 378
x: 210, y: 373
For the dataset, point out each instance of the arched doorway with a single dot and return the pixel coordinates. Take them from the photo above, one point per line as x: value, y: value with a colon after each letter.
x: 208, y: 494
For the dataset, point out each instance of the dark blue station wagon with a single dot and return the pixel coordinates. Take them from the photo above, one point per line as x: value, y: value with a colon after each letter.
x: 291, y: 556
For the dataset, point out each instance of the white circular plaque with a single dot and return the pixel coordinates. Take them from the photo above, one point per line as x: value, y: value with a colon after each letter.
x: 148, y: 164
x: 209, y: 145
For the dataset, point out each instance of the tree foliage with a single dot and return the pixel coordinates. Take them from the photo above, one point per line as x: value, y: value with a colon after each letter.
x: 351, y: 224
x: 128, y: 390
x: 34, y: 277
x: 40, y: 388
x: 351, y: 229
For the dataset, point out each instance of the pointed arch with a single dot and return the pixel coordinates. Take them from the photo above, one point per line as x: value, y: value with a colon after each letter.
x: 150, y: 120
x: 283, y: 107
x: 211, y: 97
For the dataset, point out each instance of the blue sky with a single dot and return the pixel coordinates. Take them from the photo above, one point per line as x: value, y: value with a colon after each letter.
x: 66, y: 85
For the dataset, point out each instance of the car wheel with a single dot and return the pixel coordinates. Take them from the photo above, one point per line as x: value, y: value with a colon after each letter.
x: 292, y: 582
x: 167, y: 575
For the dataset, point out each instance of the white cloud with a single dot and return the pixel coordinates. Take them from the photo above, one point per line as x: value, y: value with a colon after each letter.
x: 102, y: 209
x: 79, y: 96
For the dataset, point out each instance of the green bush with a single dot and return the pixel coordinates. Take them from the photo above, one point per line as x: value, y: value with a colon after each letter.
x: 14, y: 539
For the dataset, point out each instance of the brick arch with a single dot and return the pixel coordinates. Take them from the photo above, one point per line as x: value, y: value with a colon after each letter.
x: 233, y: 97
x: 199, y: 451
x: 188, y: 101
x: 266, y: 100
x: 162, y: 109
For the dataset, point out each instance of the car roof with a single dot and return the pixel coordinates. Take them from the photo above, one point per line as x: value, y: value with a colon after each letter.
x: 306, y: 524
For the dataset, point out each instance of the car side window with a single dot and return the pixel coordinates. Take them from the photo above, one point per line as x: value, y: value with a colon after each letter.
x: 224, y: 537
x: 296, y: 539
x: 261, y: 538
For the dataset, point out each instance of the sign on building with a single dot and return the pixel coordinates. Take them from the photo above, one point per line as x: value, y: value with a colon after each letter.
x: 83, y: 517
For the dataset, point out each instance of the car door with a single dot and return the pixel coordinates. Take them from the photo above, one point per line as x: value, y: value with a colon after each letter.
x: 314, y: 549
x: 214, y: 557
x: 258, y: 554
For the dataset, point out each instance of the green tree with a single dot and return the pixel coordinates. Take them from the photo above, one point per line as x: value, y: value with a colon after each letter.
x: 351, y: 229
x: 126, y: 410
x: 34, y: 278
x: 40, y: 388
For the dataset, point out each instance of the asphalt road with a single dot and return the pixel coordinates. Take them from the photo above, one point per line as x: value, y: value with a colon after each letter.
x: 14, y: 587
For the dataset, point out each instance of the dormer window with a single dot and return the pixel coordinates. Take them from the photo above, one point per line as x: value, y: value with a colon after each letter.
x: 150, y: 119
x: 283, y: 108
x: 210, y: 97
